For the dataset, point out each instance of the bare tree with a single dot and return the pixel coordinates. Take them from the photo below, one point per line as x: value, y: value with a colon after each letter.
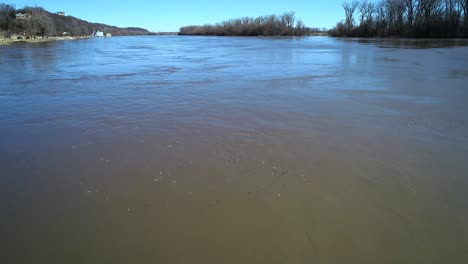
x: 464, y: 6
x: 300, y: 28
x: 287, y: 22
x: 395, y: 12
x: 407, y: 18
x: 410, y: 7
x: 366, y: 15
x: 427, y: 7
x: 452, y: 14
x: 350, y: 9
x: 46, y: 26
x: 366, y: 9
x: 272, y: 25
x: 7, y: 16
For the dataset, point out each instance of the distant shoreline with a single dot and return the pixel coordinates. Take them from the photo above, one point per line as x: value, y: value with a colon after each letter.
x: 314, y: 34
x: 4, y: 41
x: 37, y: 40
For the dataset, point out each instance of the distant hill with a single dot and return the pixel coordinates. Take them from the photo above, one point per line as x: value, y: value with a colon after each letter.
x: 36, y: 21
x: 79, y: 27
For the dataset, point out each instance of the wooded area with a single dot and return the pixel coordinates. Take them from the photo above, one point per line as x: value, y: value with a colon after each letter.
x: 363, y: 18
x: 273, y: 25
x: 404, y: 18
x: 35, y: 22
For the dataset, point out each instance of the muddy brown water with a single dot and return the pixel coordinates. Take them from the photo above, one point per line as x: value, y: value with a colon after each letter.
x: 234, y: 150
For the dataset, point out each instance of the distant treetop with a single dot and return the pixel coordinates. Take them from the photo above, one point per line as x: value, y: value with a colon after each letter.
x: 404, y: 18
x: 273, y: 25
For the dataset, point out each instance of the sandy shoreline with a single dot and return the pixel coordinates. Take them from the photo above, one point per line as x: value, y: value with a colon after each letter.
x: 17, y: 41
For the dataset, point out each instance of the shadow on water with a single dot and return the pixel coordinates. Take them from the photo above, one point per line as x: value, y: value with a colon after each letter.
x: 410, y: 43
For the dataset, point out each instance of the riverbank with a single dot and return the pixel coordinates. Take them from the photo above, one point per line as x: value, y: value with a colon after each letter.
x: 4, y: 41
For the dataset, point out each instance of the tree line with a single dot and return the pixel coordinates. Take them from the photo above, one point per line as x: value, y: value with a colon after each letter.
x: 404, y: 18
x: 363, y: 18
x: 273, y: 25
x: 37, y: 22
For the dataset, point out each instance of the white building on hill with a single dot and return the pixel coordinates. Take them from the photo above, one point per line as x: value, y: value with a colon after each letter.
x: 21, y: 16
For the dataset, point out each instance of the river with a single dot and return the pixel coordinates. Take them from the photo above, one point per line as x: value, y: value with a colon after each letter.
x: 176, y: 149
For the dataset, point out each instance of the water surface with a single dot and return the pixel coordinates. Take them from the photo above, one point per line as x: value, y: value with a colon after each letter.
x: 234, y: 150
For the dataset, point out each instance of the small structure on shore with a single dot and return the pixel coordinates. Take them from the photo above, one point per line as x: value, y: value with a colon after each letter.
x: 100, y: 34
x: 61, y: 13
x: 17, y: 36
x: 97, y: 34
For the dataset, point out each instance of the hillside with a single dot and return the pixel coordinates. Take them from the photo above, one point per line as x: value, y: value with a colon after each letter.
x: 79, y: 27
x: 36, y: 21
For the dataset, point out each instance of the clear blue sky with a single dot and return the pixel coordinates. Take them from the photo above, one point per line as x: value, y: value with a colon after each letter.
x: 170, y: 15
